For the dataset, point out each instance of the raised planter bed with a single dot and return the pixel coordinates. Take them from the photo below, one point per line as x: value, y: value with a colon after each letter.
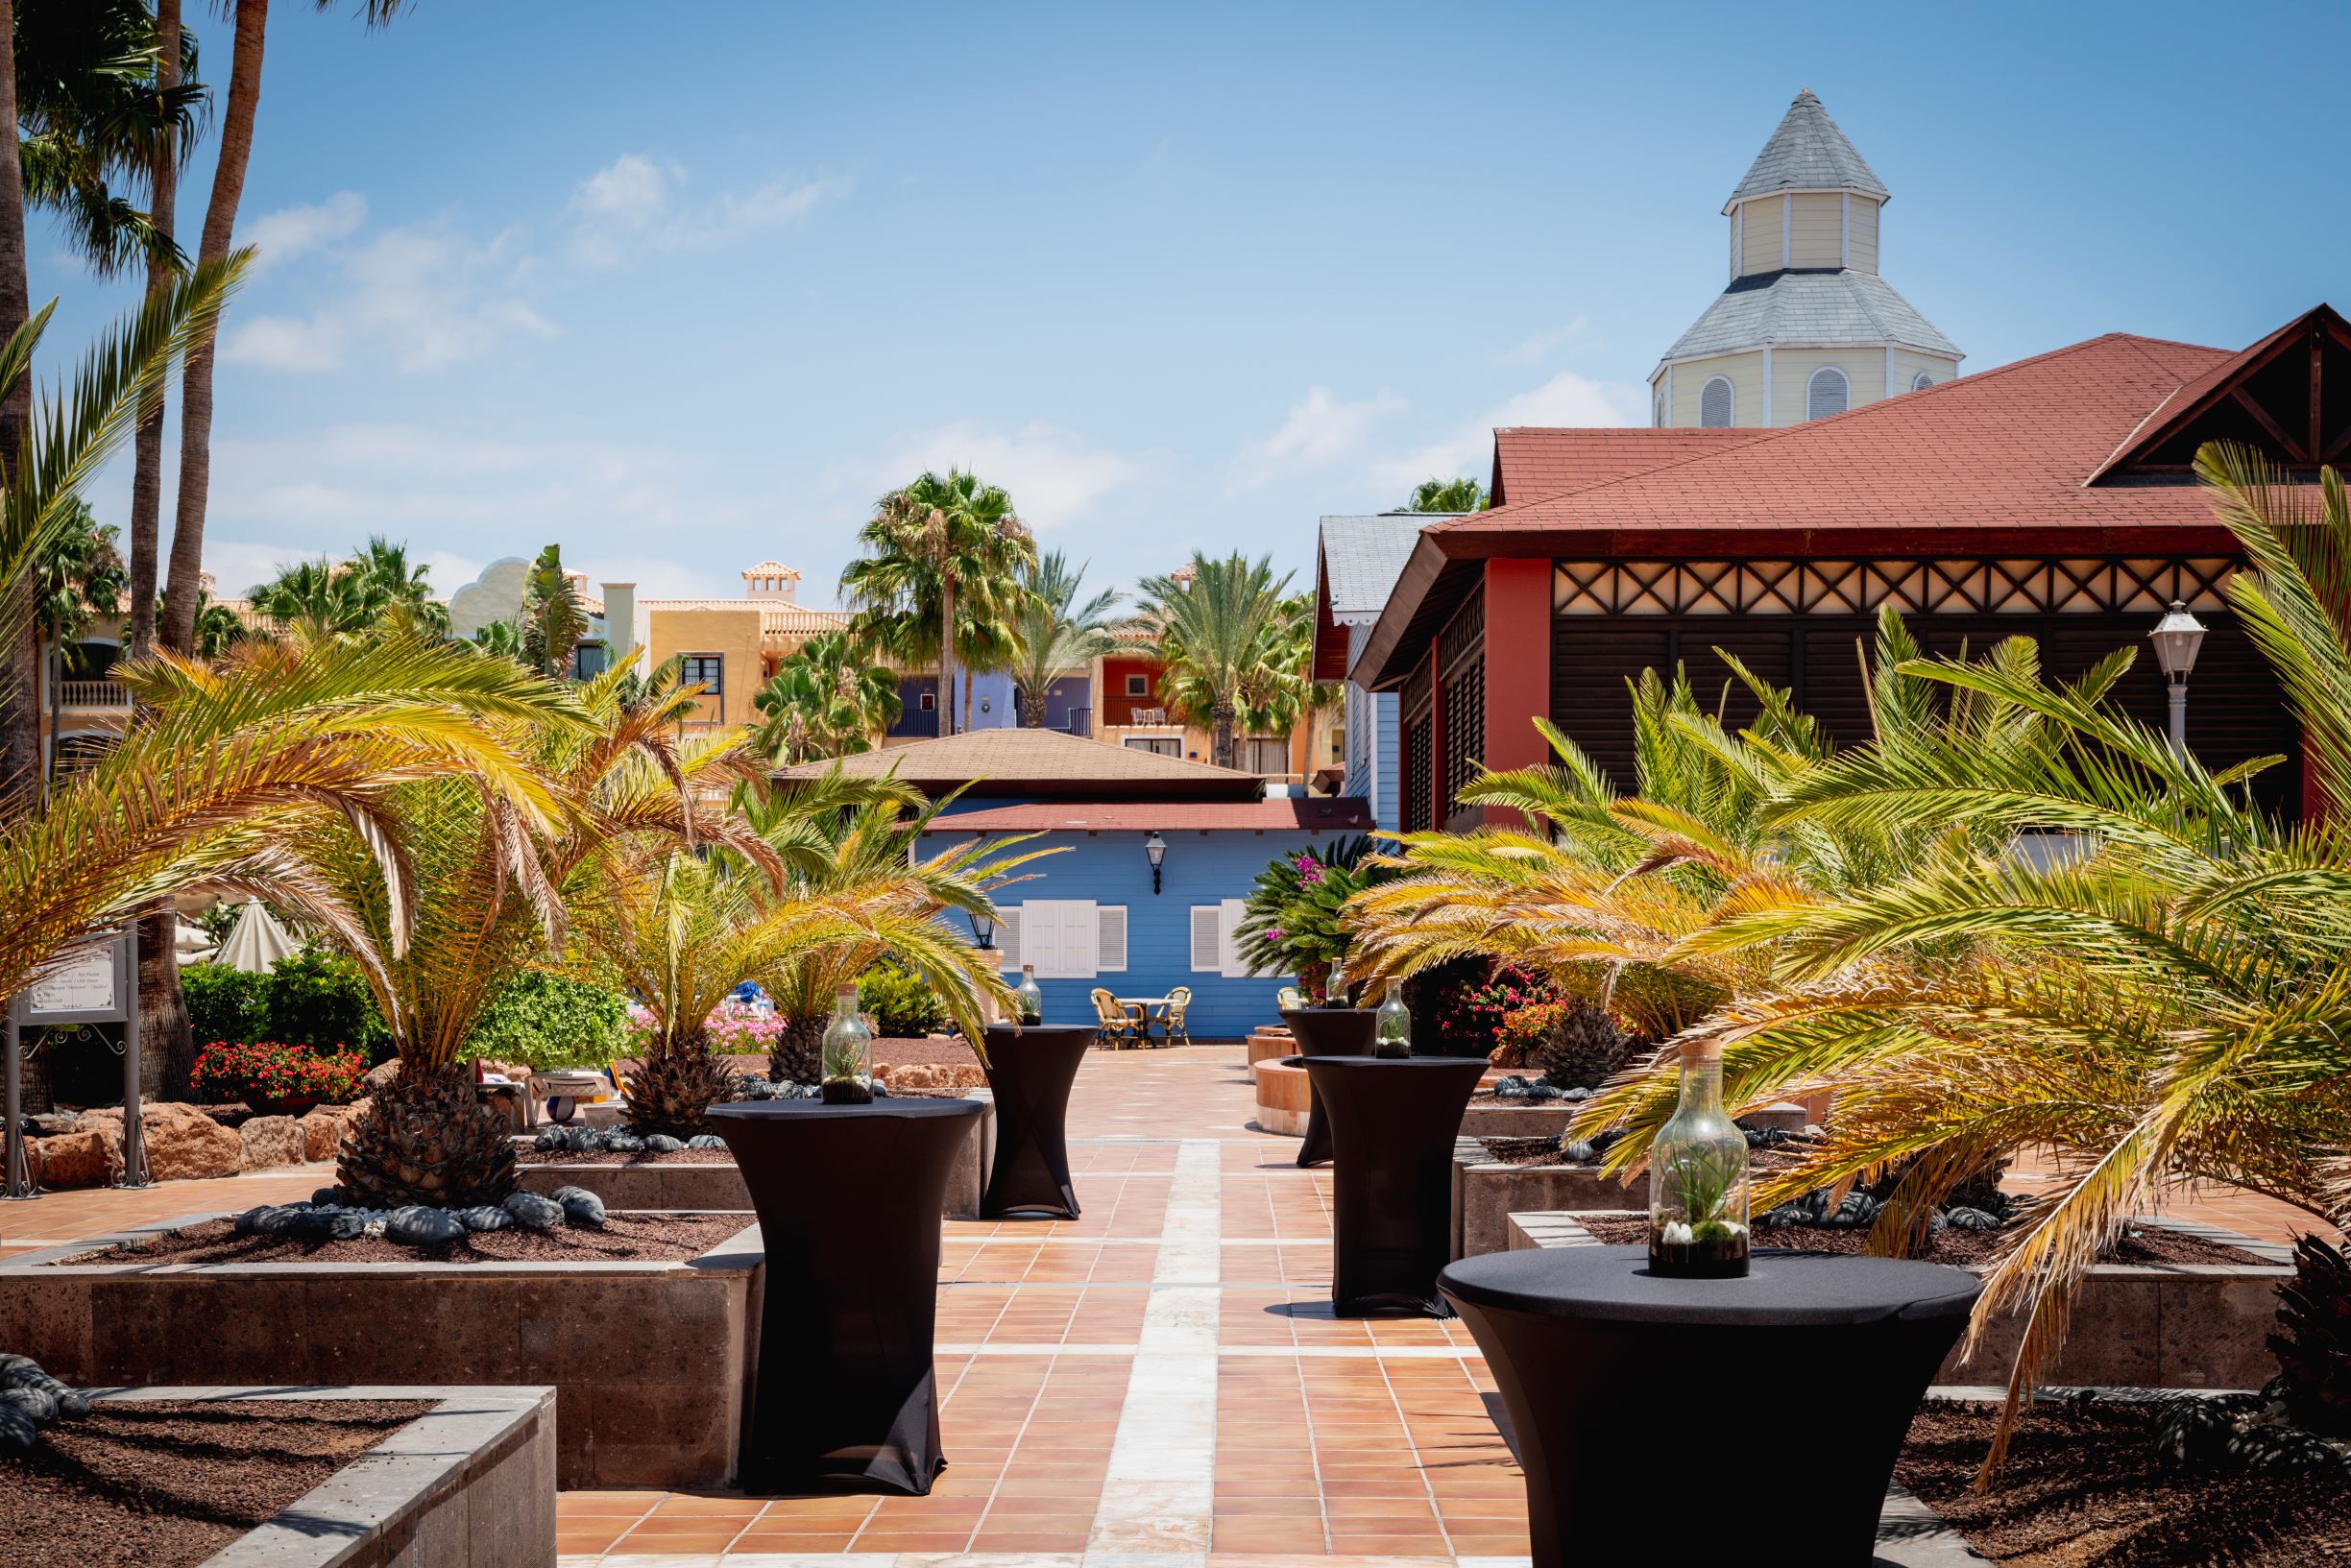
x: 2146, y: 1325
x: 469, y: 1483
x: 710, y: 1180
x: 649, y: 1361
x: 1487, y: 1192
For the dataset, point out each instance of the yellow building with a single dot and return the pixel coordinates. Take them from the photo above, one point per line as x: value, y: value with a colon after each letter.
x: 1807, y: 327
x: 730, y: 646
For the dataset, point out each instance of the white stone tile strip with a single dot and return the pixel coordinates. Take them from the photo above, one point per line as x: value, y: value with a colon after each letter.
x: 1159, y: 1494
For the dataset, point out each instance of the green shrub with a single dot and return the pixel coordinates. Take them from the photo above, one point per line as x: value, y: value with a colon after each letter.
x: 899, y: 1002
x: 321, y: 1000
x: 225, y: 1004
x: 545, y: 1020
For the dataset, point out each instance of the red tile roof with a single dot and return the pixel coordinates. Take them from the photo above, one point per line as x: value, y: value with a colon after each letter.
x: 1535, y: 461
x: 1334, y: 814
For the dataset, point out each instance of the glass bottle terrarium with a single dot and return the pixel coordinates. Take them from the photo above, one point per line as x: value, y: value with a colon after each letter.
x: 847, y: 1053
x: 1698, y: 1181
x: 1028, y: 999
x: 1391, y: 1027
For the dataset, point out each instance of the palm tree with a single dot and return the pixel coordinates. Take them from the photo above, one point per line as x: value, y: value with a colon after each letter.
x: 1214, y: 632
x: 553, y: 619
x: 500, y: 637
x: 218, y: 628
x: 318, y: 598
x: 80, y: 579
x: 1055, y: 633
x: 174, y: 75
x: 219, y: 226
x: 397, y: 587
x: 941, y: 575
x: 825, y: 700
x: 1449, y: 496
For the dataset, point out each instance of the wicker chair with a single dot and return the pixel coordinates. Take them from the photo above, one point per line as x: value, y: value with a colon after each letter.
x: 1113, y: 1025
x: 1171, y: 1015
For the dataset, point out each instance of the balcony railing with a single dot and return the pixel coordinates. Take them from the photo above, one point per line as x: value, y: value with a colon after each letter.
x: 93, y: 694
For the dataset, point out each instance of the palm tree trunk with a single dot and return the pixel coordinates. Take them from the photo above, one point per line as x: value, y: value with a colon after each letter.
x: 147, y: 447
x: 946, y: 694
x: 1224, y: 712
x: 20, y: 658
x: 179, y: 629
x: 57, y: 715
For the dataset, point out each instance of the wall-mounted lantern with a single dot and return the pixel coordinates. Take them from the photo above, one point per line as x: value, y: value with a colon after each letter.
x: 1155, y: 850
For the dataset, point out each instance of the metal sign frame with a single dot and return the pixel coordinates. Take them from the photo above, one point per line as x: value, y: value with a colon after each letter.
x: 121, y: 949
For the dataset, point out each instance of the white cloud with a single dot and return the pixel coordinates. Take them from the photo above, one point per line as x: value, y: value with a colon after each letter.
x: 420, y: 297
x: 1320, y: 428
x: 1541, y: 346
x: 1054, y: 476
x: 1565, y: 399
x: 290, y: 232
x: 633, y: 205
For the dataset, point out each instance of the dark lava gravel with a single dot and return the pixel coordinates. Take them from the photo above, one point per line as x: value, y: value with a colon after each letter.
x: 632, y: 1236
x: 167, y: 1485
x: 1952, y: 1246
x: 2082, y: 1488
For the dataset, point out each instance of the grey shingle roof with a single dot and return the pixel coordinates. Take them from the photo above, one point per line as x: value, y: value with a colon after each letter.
x: 1364, y: 556
x: 1831, y: 307
x: 1807, y: 152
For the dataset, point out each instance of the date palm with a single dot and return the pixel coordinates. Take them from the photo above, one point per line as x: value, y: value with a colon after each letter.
x: 553, y: 617
x: 825, y: 699
x: 941, y: 577
x: 1216, y: 633
x: 1447, y: 495
x: 1054, y: 633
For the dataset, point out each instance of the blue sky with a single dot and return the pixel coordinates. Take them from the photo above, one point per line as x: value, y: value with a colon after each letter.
x: 689, y: 294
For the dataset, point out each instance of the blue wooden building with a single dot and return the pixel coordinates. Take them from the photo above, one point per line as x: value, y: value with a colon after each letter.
x: 1098, y: 915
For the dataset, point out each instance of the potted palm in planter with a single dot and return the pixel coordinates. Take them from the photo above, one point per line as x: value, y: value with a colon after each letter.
x: 1293, y: 924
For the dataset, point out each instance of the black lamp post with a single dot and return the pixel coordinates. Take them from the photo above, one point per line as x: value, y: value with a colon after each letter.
x: 1155, y: 850
x: 983, y: 931
x: 2176, y: 637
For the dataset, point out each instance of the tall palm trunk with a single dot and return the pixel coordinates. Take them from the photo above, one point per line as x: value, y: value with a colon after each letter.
x: 946, y: 695
x: 147, y: 447
x: 1224, y: 712
x: 21, y: 657
x: 179, y: 629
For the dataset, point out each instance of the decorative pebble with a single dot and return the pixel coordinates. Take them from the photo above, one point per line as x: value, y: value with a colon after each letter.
x: 660, y: 1142
x: 705, y: 1140
x: 551, y: 1140
x: 37, y: 1403
x: 327, y: 1198
x: 419, y: 1225
x: 623, y: 1142
x: 533, y: 1212
x: 580, y: 1206
x: 1964, y: 1219
x: 484, y: 1217
x: 17, y: 1431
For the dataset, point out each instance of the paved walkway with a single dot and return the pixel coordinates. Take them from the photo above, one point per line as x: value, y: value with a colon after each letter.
x: 1158, y: 1385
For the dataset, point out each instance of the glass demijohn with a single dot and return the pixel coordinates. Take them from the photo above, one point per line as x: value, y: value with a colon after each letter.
x: 1392, y: 1029
x: 1027, y: 1001
x: 848, y: 1054
x: 1698, y: 1181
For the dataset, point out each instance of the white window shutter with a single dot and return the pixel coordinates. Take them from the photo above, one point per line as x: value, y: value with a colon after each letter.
x: 1007, y: 940
x: 1110, y: 938
x: 1208, y: 938
x: 1058, y: 938
x: 1234, y: 966
x: 1079, y: 940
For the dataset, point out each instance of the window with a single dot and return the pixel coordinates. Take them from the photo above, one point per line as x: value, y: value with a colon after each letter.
x: 1657, y: 408
x: 1138, y: 686
x: 1715, y: 404
x: 1159, y: 745
x: 706, y: 671
x: 590, y: 660
x: 1263, y: 754
x: 1070, y: 939
x: 1826, y: 393
x: 1216, y: 948
x: 1921, y: 381
x: 927, y: 703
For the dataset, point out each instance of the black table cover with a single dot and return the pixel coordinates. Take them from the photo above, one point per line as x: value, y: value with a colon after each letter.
x: 1031, y: 1070
x: 1326, y: 1031
x: 1392, y: 1122
x: 848, y: 1199
x: 1631, y: 1396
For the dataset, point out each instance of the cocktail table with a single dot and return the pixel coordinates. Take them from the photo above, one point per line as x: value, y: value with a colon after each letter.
x: 1630, y: 1397
x: 1392, y: 1122
x: 1031, y: 1070
x: 1326, y: 1031
x: 848, y: 1199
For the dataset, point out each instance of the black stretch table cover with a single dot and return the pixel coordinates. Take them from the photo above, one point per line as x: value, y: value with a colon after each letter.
x: 1031, y: 1070
x: 1327, y: 1031
x: 1392, y: 1123
x: 1628, y: 1394
x: 848, y: 1199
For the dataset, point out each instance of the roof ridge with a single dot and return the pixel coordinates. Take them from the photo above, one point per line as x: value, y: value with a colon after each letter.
x: 1617, y: 479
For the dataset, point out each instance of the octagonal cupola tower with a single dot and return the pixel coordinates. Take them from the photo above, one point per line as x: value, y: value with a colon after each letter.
x: 1806, y: 327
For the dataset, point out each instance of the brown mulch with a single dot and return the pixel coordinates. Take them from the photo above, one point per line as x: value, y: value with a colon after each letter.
x: 672, y: 1156
x: 2149, y: 1245
x: 933, y: 1052
x: 639, y: 1238
x: 2082, y: 1488
x: 1539, y: 1151
x: 169, y: 1484
x: 1488, y: 1100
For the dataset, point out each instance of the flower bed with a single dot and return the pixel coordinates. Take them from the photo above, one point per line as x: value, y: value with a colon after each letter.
x: 280, y: 1078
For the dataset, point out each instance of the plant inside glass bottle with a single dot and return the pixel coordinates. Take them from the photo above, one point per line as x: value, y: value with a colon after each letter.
x: 1392, y: 1025
x: 1029, y: 997
x: 1698, y: 1181
x: 847, y: 1053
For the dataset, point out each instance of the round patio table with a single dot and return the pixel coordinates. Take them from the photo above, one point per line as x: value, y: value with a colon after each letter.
x: 1031, y: 1070
x: 1326, y: 1031
x: 1392, y: 1122
x: 848, y: 1199
x: 1630, y: 1395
